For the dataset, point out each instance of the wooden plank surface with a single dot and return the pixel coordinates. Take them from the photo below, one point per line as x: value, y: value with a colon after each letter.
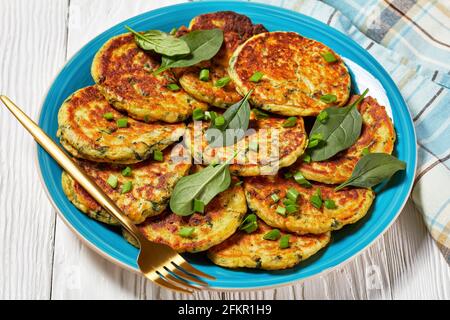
x: 40, y: 259
x: 33, y: 48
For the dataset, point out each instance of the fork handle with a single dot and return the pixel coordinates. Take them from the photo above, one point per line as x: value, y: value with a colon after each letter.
x: 71, y: 167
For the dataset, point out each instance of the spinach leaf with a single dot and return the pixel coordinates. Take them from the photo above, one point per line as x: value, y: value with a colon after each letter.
x: 339, y: 132
x: 202, y: 186
x: 160, y: 42
x: 203, y: 45
x: 237, y: 118
x: 373, y: 168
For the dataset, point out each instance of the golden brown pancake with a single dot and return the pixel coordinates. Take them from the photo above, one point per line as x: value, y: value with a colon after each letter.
x: 124, y: 74
x: 236, y: 29
x: 351, y: 205
x: 152, y: 183
x: 85, y: 133
x: 220, y: 220
x: 296, y: 75
x: 377, y: 134
x: 252, y: 251
x: 255, y: 155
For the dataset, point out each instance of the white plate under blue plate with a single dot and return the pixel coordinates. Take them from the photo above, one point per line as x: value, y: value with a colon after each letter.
x: 366, y: 72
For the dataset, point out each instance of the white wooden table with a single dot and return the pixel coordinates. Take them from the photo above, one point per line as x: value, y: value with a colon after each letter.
x: 40, y: 258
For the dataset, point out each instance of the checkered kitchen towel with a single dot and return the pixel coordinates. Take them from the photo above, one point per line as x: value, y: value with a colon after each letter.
x: 411, y: 39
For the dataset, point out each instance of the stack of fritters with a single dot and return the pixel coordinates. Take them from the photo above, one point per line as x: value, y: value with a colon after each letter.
x: 124, y: 74
x: 124, y: 125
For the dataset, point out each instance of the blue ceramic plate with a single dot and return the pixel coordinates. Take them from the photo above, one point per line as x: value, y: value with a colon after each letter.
x: 367, y: 72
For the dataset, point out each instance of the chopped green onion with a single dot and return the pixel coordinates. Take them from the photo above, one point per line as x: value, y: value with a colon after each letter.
x: 316, y: 136
x: 173, y: 31
x: 126, y: 172
x: 275, y: 197
x: 204, y: 75
x: 198, y: 114
x: 290, y: 122
x: 291, y: 208
x: 238, y: 183
x: 173, y: 87
x: 288, y: 175
x: 328, y: 98
x: 249, y: 218
x: 253, y: 146
x: 108, y: 116
x: 219, y: 121
x: 330, y: 204
x: 249, y: 224
x: 146, y: 119
x: 281, y: 211
x: 260, y: 114
x: 306, y: 158
x: 126, y: 187
x: 323, y: 116
x: 222, y: 82
x: 210, y: 115
x: 329, y: 57
x: 313, y: 143
x: 256, y: 76
x: 292, y: 194
x: 122, y: 123
x: 284, y: 241
x: 158, y: 156
x: 272, y: 235
x: 301, y: 180
x: 365, y: 151
x: 288, y: 202
x: 186, y: 232
x: 314, y: 140
x: 199, y: 206
x: 316, y: 199
x: 319, y: 192
x: 112, y: 181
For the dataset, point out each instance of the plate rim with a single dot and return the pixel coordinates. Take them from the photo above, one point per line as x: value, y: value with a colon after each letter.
x: 124, y: 265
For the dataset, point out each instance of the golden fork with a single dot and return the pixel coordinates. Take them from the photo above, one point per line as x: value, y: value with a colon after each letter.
x: 159, y: 263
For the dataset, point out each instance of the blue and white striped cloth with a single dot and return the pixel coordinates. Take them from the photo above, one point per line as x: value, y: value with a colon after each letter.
x: 411, y: 39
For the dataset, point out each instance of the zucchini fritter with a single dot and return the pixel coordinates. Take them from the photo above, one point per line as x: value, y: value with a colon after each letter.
x: 85, y: 133
x: 257, y: 152
x: 124, y: 74
x: 236, y: 29
x: 152, y: 185
x: 252, y: 251
x: 351, y: 205
x: 84, y: 202
x: 296, y: 75
x: 377, y: 134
